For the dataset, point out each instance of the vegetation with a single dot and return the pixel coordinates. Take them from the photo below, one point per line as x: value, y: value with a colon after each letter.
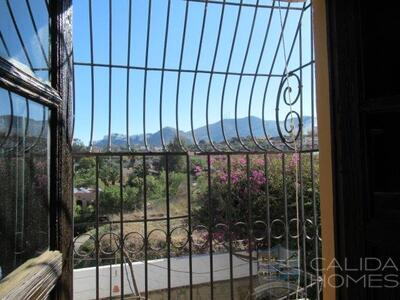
x: 263, y: 187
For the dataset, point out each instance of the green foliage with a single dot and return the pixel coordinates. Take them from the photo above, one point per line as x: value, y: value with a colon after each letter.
x: 85, y: 177
x: 86, y: 163
x: 110, y: 199
x: 85, y: 172
x: 156, y: 184
x: 109, y: 172
x: 83, y: 216
x: 175, y: 181
x: 176, y: 163
x: 155, y: 189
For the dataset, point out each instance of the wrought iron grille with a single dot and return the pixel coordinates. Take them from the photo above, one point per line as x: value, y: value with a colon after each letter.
x: 204, y: 233
x: 215, y: 89
x: 205, y: 184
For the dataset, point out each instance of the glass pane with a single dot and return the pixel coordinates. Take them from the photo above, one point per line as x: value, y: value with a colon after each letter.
x: 24, y: 34
x: 24, y: 184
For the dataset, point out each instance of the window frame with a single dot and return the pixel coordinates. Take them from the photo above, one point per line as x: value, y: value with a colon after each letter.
x: 18, y: 81
x: 58, y: 98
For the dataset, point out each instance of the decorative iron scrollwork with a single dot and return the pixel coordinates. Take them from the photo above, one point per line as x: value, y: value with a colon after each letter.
x: 292, y: 124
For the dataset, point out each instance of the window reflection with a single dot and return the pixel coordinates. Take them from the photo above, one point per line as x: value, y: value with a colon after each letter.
x: 24, y: 180
x: 24, y: 34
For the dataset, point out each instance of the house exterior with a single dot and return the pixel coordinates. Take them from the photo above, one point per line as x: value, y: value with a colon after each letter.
x: 84, y: 196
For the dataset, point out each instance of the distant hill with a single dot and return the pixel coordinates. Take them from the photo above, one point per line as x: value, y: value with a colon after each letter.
x: 169, y: 133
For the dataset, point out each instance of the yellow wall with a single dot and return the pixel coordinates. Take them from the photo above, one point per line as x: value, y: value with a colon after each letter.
x: 324, y: 131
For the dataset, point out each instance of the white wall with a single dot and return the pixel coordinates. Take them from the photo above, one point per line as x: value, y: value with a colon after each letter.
x: 85, y: 279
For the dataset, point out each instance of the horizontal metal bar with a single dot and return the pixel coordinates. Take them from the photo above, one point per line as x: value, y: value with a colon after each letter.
x: 302, y: 67
x: 88, y: 64
x: 40, y: 69
x: 127, y: 153
x: 136, y: 220
x: 243, y: 4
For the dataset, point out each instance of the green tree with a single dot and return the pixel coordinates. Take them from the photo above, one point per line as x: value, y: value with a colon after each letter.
x: 85, y: 178
x: 110, y: 200
x: 86, y: 163
x: 176, y: 163
x: 132, y: 198
x: 109, y: 172
x: 85, y: 172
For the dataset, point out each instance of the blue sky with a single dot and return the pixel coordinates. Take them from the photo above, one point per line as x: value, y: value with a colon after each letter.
x: 155, y: 60
x: 159, y: 10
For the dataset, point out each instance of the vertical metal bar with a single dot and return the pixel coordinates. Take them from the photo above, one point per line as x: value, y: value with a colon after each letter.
x: 304, y: 8
x: 255, y: 11
x: 162, y: 74
x: 145, y: 73
x: 300, y: 168
x: 312, y: 78
x: 46, y: 3
x: 110, y: 241
x: 10, y: 127
x: 256, y: 71
x: 37, y: 33
x: 210, y: 226
x: 146, y: 273
x: 26, y: 127
x: 109, y: 73
x: 315, y: 221
x: 179, y: 76
x: 42, y: 127
x: 285, y: 202
x: 270, y: 72
x: 230, y: 226
x: 189, y: 204
x: 226, y: 76
x: 97, y: 228
x: 128, y: 63
x: 168, y: 225
x: 91, y: 75
x: 73, y: 100
x: 268, y: 216
x: 221, y: 19
x: 9, y: 97
x: 121, y: 224
x: 250, y: 225
x: 17, y: 228
x: 4, y: 44
x: 302, y: 230
x: 195, y: 76
x: 19, y: 34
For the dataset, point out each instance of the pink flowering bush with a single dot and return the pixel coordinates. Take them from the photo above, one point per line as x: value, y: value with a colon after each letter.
x: 262, y: 187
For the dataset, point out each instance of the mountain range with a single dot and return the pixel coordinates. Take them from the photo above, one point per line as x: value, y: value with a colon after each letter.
x: 216, y: 134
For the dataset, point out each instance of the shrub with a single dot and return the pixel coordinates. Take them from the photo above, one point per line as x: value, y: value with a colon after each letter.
x: 256, y: 186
